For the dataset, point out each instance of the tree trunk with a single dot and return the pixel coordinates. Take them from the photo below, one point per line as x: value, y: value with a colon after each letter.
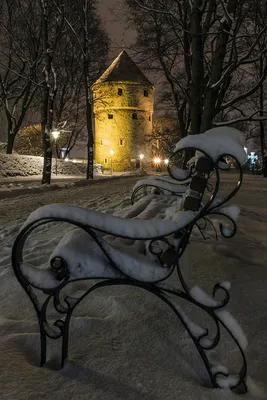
x: 89, y: 119
x: 10, y: 132
x: 46, y: 121
x: 90, y: 143
x: 197, y: 68
x: 217, y: 67
x: 46, y: 132
x: 47, y: 156
x: 10, y: 142
x: 262, y: 133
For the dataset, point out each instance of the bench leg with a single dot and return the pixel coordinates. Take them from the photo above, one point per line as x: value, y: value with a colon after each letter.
x: 65, y: 340
x: 218, y: 375
x: 43, y: 344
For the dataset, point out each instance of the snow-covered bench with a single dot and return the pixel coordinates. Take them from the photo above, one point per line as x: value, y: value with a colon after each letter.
x: 159, y: 185
x: 174, y: 184
x: 141, y: 252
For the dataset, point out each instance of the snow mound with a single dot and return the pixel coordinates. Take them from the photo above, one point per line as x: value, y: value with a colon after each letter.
x: 18, y: 165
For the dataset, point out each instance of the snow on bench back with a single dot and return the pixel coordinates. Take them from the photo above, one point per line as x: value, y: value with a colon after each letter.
x: 216, y: 142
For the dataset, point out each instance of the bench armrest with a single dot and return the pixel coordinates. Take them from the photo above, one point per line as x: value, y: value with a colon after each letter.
x: 121, y: 227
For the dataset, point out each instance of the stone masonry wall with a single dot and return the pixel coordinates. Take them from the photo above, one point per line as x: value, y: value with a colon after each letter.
x: 126, y: 136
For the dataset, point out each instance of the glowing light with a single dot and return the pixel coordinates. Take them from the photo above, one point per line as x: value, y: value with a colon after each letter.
x: 141, y: 156
x: 253, y: 158
x: 66, y: 159
x: 111, y: 152
x: 166, y: 161
x: 246, y: 149
x: 157, y: 160
x: 55, y: 134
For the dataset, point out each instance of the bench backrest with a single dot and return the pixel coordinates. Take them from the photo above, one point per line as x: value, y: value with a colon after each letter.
x: 211, y: 149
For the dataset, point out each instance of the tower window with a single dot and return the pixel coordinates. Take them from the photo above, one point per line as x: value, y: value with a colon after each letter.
x: 134, y: 116
x: 120, y: 92
x: 149, y: 118
x: 105, y: 161
x: 146, y: 93
x: 101, y: 142
x: 110, y: 116
x: 121, y: 142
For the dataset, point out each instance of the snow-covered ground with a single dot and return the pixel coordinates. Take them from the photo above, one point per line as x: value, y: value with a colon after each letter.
x: 19, y: 186
x: 124, y: 343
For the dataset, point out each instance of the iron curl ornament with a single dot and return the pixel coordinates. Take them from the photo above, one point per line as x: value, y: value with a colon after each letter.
x: 161, y: 258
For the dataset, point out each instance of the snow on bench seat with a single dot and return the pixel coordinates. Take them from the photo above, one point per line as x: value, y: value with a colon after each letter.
x: 161, y: 184
x: 86, y: 259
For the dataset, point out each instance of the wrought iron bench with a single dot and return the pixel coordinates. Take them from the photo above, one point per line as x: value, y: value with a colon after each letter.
x: 91, y: 251
x: 159, y: 185
x: 174, y: 184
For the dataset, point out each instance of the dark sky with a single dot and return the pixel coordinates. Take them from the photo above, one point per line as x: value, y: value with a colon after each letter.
x: 112, y: 12
x: 114, y: 21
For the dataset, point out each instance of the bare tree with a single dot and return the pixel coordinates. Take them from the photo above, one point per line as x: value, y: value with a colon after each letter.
x: 206, y: 50
x: 52, y: 52
x: 19, y: 61
x: 165, y: 135
x: 52, y: 28
x: 87, y: 54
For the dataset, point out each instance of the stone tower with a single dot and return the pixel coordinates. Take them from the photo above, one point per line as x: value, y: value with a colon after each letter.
x: 123, y: 100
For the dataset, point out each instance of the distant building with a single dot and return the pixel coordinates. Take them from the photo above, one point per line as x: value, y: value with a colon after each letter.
x: 123, y: 100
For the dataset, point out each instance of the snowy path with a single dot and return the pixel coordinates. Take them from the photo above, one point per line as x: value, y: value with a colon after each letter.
x: 124, y: 344
x: 21, y: 186
x: 100, y: 196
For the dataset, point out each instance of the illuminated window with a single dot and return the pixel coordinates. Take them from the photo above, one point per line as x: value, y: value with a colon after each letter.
x: 105, y: 161
x: 146, y: 93
x: 134, y: 116
x: 120, y: 91
x: 110, y: 116
x: 121, y: 142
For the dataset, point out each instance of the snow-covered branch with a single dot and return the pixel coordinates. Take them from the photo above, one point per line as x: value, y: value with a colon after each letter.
x: 248, y: 118
x: 252, y: 47
x: 247, y: 93
x: 151, y: 9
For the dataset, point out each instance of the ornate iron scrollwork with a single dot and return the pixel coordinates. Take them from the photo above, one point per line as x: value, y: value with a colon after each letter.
x: 167, y: 251
x: 60, y: 267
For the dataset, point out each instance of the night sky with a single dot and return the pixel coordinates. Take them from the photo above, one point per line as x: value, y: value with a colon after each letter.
x: 113, y: 16
x: 112, y: 13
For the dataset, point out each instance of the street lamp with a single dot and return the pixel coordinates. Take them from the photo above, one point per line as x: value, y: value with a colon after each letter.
x: 157, y: 160
x: 111, y: 154
x: 141, y: 159
x: 55, y: 136
x: 166, y: 161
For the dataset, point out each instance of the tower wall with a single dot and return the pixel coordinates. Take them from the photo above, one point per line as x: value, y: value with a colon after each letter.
x: 126, y: 136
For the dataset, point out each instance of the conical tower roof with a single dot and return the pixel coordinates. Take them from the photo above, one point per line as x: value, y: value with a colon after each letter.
x: 122, y: 69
